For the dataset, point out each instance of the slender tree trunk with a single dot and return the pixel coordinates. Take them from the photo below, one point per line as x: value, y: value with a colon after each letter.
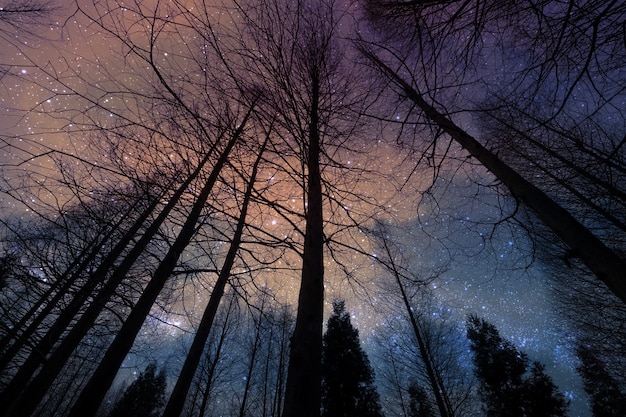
x: 21, y: 334
x: 94, y: 391
x: 17, y: 391
x: 26, y: 403
x: 68, y: 279
x: 255, y: 350
x: 42, y: 349
x: 266, y: 372
x: 213, y: 366
x: 280, y: 378
x: 176, y: 401
x: 303, y: 393
x: 435, y: 383
x: 607, y: 265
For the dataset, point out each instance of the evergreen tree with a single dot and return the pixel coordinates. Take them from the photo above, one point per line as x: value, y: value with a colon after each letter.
x: 541, y: 396
x: 508, y: 387
x: 347, y: 378
x: 419, y: 406
x: 607, y: 400
x: 144, y: 397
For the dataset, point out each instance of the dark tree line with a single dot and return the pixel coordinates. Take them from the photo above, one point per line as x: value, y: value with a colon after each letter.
x: 144, y: 396
x: 509, y: 384
x: 608, y: 397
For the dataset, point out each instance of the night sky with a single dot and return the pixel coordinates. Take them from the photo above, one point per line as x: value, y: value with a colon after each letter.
x: 484, y: 269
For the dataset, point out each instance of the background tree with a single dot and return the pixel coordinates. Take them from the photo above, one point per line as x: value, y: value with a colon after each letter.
x: 419, y: 405
x: 508, y: 386
x: 144, y: 397
x: 427, y: 344
x: 347, y: 378
x: 607, y: 398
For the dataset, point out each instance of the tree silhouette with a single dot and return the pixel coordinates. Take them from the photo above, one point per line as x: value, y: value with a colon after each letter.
x: 347, y: 378
x: 436, y: 349
x: 144, y: 397
x: 506, y: 388
x: 427, y: 78
x: 419, y: 406
x: 607, y: 399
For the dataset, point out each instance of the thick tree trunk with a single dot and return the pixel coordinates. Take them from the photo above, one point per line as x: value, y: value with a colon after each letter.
x: 607, y: 265
x: 303, y: 393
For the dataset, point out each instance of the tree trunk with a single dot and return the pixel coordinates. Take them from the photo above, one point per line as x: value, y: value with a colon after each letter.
x: 94, y: 391
x: 42, y: 348
x: 435, y: 382
x: 27, y: 402
x: 176, y: 401
x: 17, y: 391
x: 256, y: 343
x: 303, y: 393
x: 213, y: 364
x: 607, y: 265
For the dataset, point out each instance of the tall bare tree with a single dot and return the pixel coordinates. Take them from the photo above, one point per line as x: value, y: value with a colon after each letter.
x: 293, y: 51
x: 452, y: 43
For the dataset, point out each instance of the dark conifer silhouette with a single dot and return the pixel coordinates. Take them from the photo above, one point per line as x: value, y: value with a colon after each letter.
x: 419, y: 406
x: 508, y: 387
x: 144, y: 397
x: 607, y: 400
x: 347, y: 378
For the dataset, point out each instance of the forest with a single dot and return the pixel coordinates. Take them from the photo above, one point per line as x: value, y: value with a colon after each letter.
x: 312, y: 208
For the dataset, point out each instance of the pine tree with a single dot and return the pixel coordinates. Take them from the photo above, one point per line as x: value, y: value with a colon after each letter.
x: 144, y: 397
x: 347, y: 378
x: 607, y: 400
x: 541, y: 396
x: 419, y: 406
x: 508, y: 387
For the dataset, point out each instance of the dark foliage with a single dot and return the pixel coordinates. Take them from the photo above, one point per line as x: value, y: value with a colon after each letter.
x: 607, y: 399
x: 419, y: 406
x: 508, y: 387
x: 6, y: 269
x: 347, y: 377
x: 144, y: 397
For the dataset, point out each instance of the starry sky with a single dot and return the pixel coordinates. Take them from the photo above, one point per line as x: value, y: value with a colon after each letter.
x: 484, y: 267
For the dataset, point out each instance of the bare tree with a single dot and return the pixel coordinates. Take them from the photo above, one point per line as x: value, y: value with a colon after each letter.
x: 449, y: 32
x: 177, y: 398
x: 437, y: 348
x: 299, y: 63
